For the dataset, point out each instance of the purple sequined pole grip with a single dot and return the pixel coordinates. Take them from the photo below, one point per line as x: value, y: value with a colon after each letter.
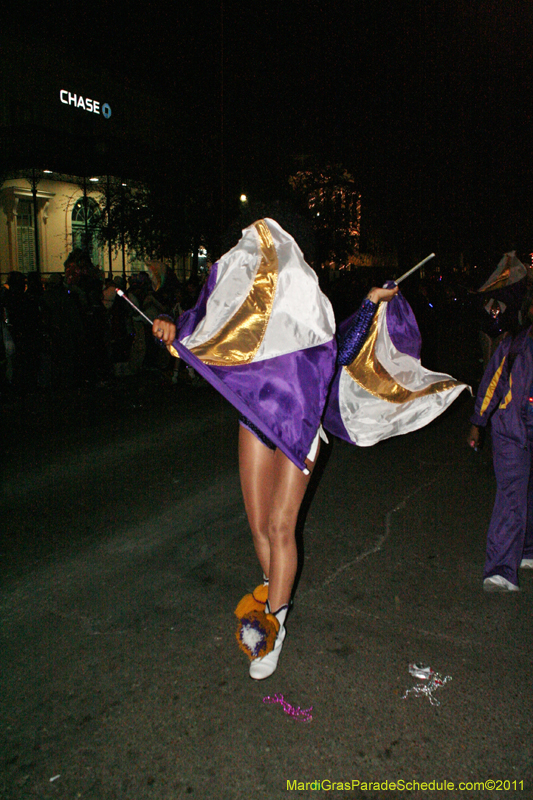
x: 355, y: 337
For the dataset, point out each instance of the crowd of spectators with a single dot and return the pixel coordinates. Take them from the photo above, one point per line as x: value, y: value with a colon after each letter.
x: 73, y: 330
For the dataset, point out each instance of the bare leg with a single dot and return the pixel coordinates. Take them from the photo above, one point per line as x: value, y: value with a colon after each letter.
x: 288, y: 491
x: 256, y: 468
x: 273, y: 489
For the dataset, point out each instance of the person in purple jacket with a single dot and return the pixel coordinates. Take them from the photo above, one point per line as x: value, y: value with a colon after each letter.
x: 505, y: 397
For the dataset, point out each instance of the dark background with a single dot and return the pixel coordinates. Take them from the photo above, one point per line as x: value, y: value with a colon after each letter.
x: 427, y: 103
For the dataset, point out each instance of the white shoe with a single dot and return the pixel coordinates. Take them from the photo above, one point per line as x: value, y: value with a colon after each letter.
x: 526, y: 563
x: 264, y: 667
x: 497, y: 583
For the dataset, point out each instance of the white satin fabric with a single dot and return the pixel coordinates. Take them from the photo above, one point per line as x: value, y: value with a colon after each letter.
x: 369, y: 419
x: 301, y: 316
x: 320, y: 434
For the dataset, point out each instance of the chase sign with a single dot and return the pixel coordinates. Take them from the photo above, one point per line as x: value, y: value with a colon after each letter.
x: 85, y: 103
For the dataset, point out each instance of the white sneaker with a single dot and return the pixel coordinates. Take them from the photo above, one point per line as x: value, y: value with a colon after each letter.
x: 261, y: 668
x: 526, y: 563
x: 497, y: 583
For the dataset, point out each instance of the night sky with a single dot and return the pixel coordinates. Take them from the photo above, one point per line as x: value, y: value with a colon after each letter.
x: 427, y: 103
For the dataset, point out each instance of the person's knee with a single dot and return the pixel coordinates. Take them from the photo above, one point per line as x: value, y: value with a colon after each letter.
x: 260, y: 533
x: 281, y: 533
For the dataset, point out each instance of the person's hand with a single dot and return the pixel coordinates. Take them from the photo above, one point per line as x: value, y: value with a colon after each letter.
x: 164, y: 330
x: 474, y: 437
x: 376, y: 294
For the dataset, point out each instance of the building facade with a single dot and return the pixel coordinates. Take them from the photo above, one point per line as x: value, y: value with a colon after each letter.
x: 67, y: 132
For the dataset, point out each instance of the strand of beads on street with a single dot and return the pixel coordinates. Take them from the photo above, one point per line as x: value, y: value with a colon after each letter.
x: 303, y: 714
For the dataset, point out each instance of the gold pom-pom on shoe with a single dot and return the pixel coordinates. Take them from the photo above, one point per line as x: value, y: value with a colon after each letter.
x: 256, y: 634
x: 252, y: 602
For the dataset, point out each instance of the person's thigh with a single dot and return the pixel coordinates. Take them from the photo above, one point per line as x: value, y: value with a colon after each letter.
x: 256, y: 469
x: 288, y: 490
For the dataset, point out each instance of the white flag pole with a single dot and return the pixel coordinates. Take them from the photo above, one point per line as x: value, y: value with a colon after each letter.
x: 138, y: 310
x: 171, y: 349
x: 413, y: 269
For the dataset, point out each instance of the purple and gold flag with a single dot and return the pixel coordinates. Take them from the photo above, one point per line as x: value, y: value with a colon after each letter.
x: 263, y: 334
x: 386, y: 391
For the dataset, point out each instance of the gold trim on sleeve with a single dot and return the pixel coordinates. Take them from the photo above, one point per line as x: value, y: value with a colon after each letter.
x: 509, y: 396
x: 239, y: 339
x: 491, y: 388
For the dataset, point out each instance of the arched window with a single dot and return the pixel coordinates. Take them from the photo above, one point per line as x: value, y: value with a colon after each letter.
x: 86, y: 224
x: 25, y: 236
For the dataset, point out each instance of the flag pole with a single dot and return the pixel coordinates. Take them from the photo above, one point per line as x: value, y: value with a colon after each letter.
x: 413, y: 269
x: 171, y: 349
x: 138, y: 310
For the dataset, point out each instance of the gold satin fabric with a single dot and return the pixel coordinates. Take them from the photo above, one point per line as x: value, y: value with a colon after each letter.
x: 367, y: 371
x: 240, y: 338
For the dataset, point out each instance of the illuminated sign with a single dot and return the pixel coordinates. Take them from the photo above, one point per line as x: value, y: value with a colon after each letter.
x: 85, y: 103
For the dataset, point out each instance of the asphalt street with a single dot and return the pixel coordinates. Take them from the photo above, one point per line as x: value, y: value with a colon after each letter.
x: 125, y: 549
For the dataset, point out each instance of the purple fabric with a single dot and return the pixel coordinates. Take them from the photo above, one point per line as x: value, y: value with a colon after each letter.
x: 403, y: 331
x: 402, y: 327
x: 510, y: 419
x: 245, y: 423
x: 401, y: 324
x: 284, y: 396
x: 353, y: 339
x: 343, y: 327
x: 352, y: 334
x: 510, y: 534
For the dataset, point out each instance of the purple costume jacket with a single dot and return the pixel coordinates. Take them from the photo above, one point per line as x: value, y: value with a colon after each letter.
x: 503, y: 398
x: 504, y: 405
